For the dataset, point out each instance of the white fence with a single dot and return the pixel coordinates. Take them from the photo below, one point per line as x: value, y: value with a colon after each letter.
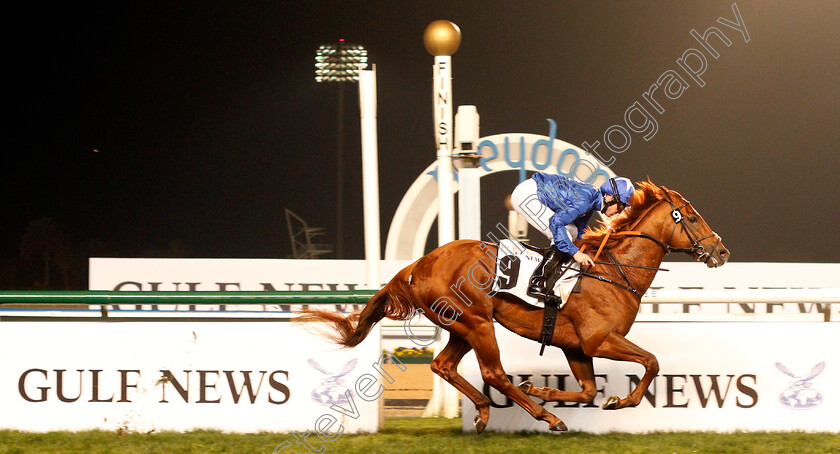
x: 788, y: 291
x: 713, y: 376
x: 178, y: 375
x: 64, y: 371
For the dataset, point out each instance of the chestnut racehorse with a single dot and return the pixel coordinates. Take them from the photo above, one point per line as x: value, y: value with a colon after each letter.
x: 593, y: 323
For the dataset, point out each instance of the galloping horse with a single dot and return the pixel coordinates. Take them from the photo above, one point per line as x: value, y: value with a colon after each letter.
x: 593, y: 323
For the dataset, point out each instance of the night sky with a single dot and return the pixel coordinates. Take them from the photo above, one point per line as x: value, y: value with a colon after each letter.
x: 137, y: 125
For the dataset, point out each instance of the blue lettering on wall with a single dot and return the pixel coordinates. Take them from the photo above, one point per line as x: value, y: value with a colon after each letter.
x: 583, y: 170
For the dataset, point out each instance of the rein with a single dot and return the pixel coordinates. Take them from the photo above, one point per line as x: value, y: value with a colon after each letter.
x: 629, y: 287
x: 677, y: 216
x: 601, y: 262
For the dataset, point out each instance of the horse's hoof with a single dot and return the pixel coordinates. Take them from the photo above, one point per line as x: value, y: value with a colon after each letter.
x: 559, y: 426
x: 611, y: 403
x: 526, y: 386
x: 479, y: 424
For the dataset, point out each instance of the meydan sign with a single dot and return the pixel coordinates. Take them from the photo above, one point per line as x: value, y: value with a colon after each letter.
x: 499, y: 153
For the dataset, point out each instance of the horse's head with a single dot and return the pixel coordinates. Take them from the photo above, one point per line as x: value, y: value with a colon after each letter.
x: 685, y: 230
x: 669, y: 219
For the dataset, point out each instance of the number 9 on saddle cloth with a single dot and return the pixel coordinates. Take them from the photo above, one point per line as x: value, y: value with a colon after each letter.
x: 516, y: 263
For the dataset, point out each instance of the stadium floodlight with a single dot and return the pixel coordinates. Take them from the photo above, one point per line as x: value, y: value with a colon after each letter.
x: 339, y: 62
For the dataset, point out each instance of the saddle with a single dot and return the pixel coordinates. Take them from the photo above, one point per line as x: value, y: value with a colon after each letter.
x: 516, y: 263
x: 551, y: 308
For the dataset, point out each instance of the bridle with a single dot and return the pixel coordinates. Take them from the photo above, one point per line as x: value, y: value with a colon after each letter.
x: 677, y: 216
x: 696, y: 247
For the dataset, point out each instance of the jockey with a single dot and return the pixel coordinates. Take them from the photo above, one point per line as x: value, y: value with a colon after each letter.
x: 560, y: 208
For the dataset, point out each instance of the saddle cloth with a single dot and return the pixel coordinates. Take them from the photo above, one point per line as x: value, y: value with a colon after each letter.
x: 515, y: 264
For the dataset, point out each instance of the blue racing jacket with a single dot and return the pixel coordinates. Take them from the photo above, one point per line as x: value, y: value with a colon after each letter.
x: 572, y: 203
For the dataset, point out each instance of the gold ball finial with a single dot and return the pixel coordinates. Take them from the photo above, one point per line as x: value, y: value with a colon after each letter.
x: 442, y: 38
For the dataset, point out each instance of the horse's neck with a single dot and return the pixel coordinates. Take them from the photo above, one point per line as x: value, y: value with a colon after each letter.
x: 644, y: 252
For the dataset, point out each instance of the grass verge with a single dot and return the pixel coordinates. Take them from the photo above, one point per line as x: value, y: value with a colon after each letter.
x: 419, y: 435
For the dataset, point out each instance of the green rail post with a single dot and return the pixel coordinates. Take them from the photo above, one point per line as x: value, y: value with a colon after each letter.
x: 104, y: 298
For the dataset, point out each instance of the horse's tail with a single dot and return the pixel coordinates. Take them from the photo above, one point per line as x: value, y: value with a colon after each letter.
x: 393, y: 302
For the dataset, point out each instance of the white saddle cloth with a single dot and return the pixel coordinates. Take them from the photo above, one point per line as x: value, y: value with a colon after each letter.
x: 515, y: 265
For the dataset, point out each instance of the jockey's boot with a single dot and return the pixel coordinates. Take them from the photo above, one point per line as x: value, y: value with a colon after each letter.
x: 537, y: 286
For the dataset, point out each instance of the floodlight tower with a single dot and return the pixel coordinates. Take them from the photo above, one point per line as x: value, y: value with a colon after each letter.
x: 339, y: 63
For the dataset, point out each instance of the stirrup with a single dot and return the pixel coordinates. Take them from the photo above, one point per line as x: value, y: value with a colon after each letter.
x: 538, y: 295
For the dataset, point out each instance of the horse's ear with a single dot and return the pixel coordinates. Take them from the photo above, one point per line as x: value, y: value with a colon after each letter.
x: 666, y: 194
x: 648, y: 186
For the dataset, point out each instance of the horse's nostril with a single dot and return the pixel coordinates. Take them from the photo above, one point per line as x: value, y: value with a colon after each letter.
x: 723, y: 253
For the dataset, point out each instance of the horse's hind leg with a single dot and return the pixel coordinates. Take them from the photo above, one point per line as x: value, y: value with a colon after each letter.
x: 483, y: 341
x: 617, y: 347
x: 581, y: 366
x: 446, y: 365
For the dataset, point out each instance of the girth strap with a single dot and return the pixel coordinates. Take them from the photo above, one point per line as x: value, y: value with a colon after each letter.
x: 550, y: 312
x: 549, y: 321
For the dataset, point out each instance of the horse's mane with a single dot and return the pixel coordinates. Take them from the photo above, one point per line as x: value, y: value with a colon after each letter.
x: 645, y: 196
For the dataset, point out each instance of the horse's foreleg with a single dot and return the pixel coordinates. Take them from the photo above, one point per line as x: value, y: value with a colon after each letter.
x: 582, y: 369
x: 446, y: 366
x: 486, y: 349
x: 617, y: 347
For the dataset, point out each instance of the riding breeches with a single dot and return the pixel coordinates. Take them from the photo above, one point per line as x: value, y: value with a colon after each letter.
x: 527, y: 203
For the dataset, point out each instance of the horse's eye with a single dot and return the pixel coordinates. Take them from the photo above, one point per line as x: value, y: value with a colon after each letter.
x: 692, y: 219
